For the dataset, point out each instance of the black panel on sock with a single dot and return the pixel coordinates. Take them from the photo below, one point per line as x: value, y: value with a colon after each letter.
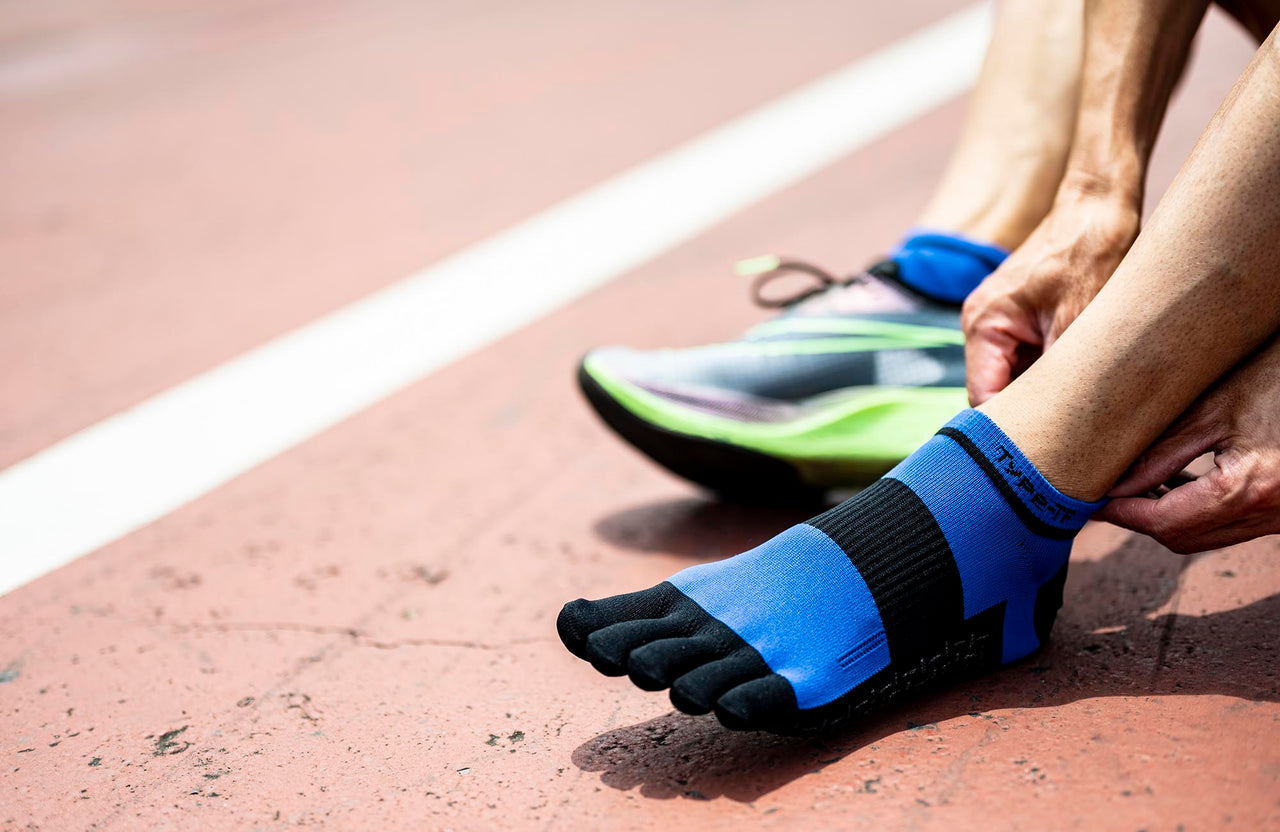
x: 900, y: 551
x: 1048, y: 602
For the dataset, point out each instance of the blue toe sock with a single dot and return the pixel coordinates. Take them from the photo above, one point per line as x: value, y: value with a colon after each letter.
x: 943, y: 265
x: 951, y: 564
x: 964, y: 525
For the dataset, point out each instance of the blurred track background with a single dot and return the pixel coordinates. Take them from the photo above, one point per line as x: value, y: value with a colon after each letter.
x: 359, y: 631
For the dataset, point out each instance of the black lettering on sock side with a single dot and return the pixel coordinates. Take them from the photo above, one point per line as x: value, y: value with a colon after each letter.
x: 1012, y: 483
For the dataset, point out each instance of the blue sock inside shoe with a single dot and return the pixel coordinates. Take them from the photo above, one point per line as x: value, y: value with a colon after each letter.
x: 950, y: 565
x: 943, y: 265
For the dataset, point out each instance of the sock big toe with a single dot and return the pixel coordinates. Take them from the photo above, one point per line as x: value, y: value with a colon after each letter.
x: 951, y: 565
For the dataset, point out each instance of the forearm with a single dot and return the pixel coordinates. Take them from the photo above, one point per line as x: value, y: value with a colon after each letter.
x: 1195, y: 295
x: 1135, y: 50
x: 1135, y: 53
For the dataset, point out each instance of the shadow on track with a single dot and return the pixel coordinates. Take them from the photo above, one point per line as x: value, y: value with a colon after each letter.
x: 1104, y: 644
x: 698, y: 528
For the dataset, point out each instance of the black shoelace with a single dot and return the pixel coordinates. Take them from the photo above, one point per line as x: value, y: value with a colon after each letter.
x: 769, y: 268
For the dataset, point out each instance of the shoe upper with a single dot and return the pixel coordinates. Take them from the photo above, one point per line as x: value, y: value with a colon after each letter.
x: 869, y: 331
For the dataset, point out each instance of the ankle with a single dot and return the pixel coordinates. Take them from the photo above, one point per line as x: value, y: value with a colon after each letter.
x: 1005, y: 213
x: 1047, y: 441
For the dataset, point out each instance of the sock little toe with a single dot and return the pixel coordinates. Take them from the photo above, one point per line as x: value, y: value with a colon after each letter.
x: 943, y: 265
x: 950, y: 565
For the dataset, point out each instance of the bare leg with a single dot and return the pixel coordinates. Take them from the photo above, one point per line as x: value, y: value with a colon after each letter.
x: 1004, y: 172
x: 1196, y: 293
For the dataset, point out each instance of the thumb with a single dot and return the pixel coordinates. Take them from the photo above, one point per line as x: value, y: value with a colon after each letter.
x: 1180, y: 520
x: 992, y: 352
x: 988, y: 363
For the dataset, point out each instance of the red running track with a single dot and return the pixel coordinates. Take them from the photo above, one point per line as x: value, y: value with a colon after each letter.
x: 359, y: 632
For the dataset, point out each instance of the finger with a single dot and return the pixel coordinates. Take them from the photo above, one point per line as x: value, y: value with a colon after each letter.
x: 988, y: 361
x: 1184, y: 520
x: 1188, y: 438
x: 995, y: 348
x: 1182, y: 540
x: 997, y: 335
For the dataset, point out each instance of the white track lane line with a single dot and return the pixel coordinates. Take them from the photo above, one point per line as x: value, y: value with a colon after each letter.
x: 142, y: 463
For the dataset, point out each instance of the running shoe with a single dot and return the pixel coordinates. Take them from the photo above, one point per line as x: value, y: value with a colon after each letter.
x: 852, y: 376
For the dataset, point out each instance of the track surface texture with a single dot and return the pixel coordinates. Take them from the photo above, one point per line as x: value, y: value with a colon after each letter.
x: 359, y: 633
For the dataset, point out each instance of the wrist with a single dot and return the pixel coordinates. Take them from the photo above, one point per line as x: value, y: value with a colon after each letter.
x: 1117, y: 185
x: 1111, y: 207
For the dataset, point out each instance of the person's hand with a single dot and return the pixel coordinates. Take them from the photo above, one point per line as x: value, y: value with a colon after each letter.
x: 1239, y: 499
x: 1022, y: 308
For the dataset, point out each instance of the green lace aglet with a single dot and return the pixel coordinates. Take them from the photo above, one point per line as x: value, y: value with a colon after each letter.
x: 753, y: 266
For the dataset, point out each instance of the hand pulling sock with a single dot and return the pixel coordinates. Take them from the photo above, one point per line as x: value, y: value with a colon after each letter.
x: 949, y: 566
x: 944, y: 266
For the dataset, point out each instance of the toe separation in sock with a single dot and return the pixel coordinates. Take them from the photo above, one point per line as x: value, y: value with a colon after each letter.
x: 697, y: 691
x: 661, y: 638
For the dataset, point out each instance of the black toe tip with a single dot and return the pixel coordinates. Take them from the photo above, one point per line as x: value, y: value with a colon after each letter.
x: 576, y: 622
x: 645, y: 673
x: 689, y: 702
x: 606, y: 655
x: 733, y: 720
x: 762, y: 705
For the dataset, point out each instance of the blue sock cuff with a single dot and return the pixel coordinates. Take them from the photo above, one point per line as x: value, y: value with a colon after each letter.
x: 1015, y: 475
x: 944, y: 265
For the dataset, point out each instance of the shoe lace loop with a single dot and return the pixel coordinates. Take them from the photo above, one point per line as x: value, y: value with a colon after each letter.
x: 768, y: 268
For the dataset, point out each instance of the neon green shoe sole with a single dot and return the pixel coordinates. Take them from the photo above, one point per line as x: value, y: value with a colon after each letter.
x: 761, y: 451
